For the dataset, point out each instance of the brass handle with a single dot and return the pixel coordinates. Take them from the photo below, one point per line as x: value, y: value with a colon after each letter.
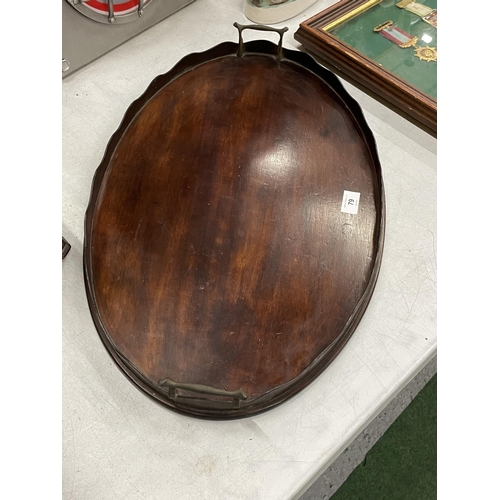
x: 237, y: 396
x: 260, y: 27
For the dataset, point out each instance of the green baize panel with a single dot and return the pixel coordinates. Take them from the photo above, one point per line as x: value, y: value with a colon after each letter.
x: 358, y: 33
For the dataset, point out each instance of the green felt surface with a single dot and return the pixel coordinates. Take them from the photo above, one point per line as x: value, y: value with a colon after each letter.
x: 358, y: 33
x: 402, y: 465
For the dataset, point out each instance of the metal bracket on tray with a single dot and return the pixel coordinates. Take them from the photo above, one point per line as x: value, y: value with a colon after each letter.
x: 237, y: 396
x: 260, y: 27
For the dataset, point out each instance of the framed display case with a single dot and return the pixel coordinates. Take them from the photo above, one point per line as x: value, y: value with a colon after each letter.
x: 388, y: 48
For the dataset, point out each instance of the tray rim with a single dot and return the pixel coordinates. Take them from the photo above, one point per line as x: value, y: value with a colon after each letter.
x: 285, y: 391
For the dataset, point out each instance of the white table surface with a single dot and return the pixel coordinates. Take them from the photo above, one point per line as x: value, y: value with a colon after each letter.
x: 117, y: 443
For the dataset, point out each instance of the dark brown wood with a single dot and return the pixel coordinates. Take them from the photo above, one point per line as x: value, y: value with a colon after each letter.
x: 363, y: 72
x: 216, y: 255
x: 66, y: 247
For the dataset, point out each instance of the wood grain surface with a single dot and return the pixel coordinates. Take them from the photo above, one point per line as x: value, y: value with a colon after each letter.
x: 217, y: 252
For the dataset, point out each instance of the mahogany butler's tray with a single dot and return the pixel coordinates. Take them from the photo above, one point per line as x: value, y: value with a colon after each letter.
x: 235, y: 229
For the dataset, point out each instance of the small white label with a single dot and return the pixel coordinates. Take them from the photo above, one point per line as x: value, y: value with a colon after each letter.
x: 350, y: 202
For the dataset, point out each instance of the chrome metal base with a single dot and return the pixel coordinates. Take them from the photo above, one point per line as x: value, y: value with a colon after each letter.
x: 85, y: 39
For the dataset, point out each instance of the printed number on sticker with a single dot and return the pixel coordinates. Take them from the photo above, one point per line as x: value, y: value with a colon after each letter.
x: 350, y: 202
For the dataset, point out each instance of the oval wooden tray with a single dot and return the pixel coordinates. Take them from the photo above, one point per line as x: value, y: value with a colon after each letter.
x: 222, y: 272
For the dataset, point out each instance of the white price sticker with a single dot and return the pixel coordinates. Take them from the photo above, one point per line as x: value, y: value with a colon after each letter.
x: 350, y: 202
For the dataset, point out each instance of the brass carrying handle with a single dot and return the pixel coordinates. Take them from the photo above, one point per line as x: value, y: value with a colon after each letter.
x: 260, y: 27
x: 237, y: 396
